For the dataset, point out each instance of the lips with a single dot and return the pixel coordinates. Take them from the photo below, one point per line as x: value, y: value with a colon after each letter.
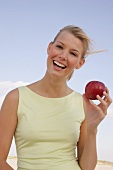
x: 58, y: 64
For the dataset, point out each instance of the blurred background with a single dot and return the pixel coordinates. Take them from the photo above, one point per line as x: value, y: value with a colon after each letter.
x: 27, y: 27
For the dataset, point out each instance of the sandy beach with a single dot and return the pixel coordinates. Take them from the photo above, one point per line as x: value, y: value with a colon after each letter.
x: 102, y: 165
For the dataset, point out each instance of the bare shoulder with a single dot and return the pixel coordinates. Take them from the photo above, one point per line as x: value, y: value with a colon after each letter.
x: 13, y: 94
x: 8, y: 112
x: 8, y: 122
x: 11, y: 99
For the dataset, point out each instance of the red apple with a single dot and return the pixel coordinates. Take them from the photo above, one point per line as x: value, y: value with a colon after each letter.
x: 94, y: 88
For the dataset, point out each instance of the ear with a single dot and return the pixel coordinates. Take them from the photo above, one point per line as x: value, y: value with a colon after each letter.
x: 49, y: 46
x: 80, y: 64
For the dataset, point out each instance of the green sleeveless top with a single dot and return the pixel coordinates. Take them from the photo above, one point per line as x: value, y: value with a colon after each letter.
x: 48, y: 131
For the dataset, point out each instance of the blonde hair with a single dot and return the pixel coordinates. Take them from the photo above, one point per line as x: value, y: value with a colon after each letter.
x: 79, y: 33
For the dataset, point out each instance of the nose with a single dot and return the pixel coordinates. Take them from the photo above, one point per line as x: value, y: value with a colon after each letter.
x: 63, y: 55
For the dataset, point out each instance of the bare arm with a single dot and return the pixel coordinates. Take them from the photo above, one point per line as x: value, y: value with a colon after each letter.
x: 87, y: 152
x: 8, y: 122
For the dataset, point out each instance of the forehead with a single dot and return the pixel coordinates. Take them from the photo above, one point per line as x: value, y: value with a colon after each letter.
x: 69, y: 39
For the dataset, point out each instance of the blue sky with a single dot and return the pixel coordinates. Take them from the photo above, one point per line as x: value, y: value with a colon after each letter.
x: 26, y: 28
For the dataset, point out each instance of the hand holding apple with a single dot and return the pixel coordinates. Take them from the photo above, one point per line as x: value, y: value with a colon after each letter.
x: 95, y: 113
x: 94, y: 88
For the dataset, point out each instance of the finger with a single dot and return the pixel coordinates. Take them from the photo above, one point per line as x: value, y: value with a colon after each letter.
x: 107, y: 91
x: 102, y: 101
x: 107, y: 98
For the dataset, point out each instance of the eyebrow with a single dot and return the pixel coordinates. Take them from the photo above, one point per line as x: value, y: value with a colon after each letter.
x: 71, y: 49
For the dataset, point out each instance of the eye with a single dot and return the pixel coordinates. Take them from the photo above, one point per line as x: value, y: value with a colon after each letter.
x: 73, y: 54
x: 59, y: 46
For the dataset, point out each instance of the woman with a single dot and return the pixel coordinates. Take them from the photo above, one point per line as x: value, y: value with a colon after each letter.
x: 48, y: 119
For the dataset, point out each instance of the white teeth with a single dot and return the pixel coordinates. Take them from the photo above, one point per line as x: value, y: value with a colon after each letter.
x: 57, y: 63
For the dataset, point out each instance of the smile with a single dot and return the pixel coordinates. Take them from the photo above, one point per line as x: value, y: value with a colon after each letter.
x: 59, y: 64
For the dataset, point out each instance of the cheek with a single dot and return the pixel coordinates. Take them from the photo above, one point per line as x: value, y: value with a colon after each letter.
x: 50, y: 56
x: 73, y: 63
x: 52, y: 53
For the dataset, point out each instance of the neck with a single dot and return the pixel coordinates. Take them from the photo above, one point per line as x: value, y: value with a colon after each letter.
x: 53, y: 86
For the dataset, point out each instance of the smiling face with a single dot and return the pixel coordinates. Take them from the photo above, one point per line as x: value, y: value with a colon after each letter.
x: 64, y: 55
